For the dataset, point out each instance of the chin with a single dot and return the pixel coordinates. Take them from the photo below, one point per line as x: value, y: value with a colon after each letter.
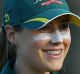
x: 56, y: 66
x: 54, y: 69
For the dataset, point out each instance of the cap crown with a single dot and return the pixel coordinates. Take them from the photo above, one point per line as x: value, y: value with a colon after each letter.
x: 17, y: 11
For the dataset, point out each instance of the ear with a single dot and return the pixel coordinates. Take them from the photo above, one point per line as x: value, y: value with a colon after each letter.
x: 10, y: 34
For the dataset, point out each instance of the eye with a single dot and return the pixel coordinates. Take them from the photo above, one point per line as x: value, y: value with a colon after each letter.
x: 43, y: 29
x: 64, y: 26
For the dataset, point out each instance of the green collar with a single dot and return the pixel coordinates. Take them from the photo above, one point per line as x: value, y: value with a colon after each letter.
x: 8, y: 68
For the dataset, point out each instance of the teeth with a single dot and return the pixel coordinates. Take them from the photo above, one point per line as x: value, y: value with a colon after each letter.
x: 53, y: 52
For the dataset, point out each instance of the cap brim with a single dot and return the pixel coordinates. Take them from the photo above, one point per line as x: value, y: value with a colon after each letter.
x: 45, y: 17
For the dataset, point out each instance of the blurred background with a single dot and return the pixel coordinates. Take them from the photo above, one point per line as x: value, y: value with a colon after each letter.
x: 1, y: 3
x: 74, y: 5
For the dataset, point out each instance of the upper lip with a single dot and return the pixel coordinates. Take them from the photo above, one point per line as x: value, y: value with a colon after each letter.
x: 53, y: 48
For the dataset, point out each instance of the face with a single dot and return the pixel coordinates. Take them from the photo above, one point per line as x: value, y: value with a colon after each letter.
x: 45, y: 49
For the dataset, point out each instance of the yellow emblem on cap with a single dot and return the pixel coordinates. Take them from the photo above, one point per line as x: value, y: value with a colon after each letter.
x: 43, y: 20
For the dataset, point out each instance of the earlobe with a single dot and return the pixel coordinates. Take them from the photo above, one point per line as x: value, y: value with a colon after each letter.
x: 10, y: 34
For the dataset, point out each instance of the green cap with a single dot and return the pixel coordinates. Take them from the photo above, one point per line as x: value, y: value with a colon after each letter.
x: 34, y: 14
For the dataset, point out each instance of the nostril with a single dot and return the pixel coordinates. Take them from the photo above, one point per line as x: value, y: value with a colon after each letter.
x: 58, y: 43
x: 55, y: 43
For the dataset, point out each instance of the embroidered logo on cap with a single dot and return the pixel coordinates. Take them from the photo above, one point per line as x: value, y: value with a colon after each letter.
x: 37, y: 1
x: 48, y: 2
x: 7, y: 18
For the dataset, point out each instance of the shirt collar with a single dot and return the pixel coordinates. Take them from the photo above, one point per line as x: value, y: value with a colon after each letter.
x: 8, y: 68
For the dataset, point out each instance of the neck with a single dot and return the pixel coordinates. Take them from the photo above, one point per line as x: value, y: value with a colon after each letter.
x: 21, y: 67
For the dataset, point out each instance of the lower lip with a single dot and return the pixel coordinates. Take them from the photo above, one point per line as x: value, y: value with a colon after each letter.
x: 54, y: 56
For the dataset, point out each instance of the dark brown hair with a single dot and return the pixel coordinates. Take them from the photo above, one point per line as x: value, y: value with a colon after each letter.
x: 7, y: 49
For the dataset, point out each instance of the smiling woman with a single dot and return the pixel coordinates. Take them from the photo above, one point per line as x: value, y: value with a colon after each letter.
x: 46, y: 47
x: 40, y: 46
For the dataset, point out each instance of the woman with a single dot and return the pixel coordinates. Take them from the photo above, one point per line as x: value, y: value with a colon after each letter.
x: 41, y: 42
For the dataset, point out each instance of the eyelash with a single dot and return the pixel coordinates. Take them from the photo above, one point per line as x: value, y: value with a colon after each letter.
x: 64, y: 26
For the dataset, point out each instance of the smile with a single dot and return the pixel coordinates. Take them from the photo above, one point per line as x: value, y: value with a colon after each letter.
x: 53, y: 54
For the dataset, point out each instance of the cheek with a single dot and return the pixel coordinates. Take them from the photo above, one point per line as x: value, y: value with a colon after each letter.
x: 66, y: 38
x: 40, y: 40
x: 40, y: 43
x: 67, y: 42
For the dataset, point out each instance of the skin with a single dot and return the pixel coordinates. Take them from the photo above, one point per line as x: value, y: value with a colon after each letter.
x: 30, y: 56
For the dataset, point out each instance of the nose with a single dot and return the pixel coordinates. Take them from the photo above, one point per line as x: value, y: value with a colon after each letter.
x: 56, y: 37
